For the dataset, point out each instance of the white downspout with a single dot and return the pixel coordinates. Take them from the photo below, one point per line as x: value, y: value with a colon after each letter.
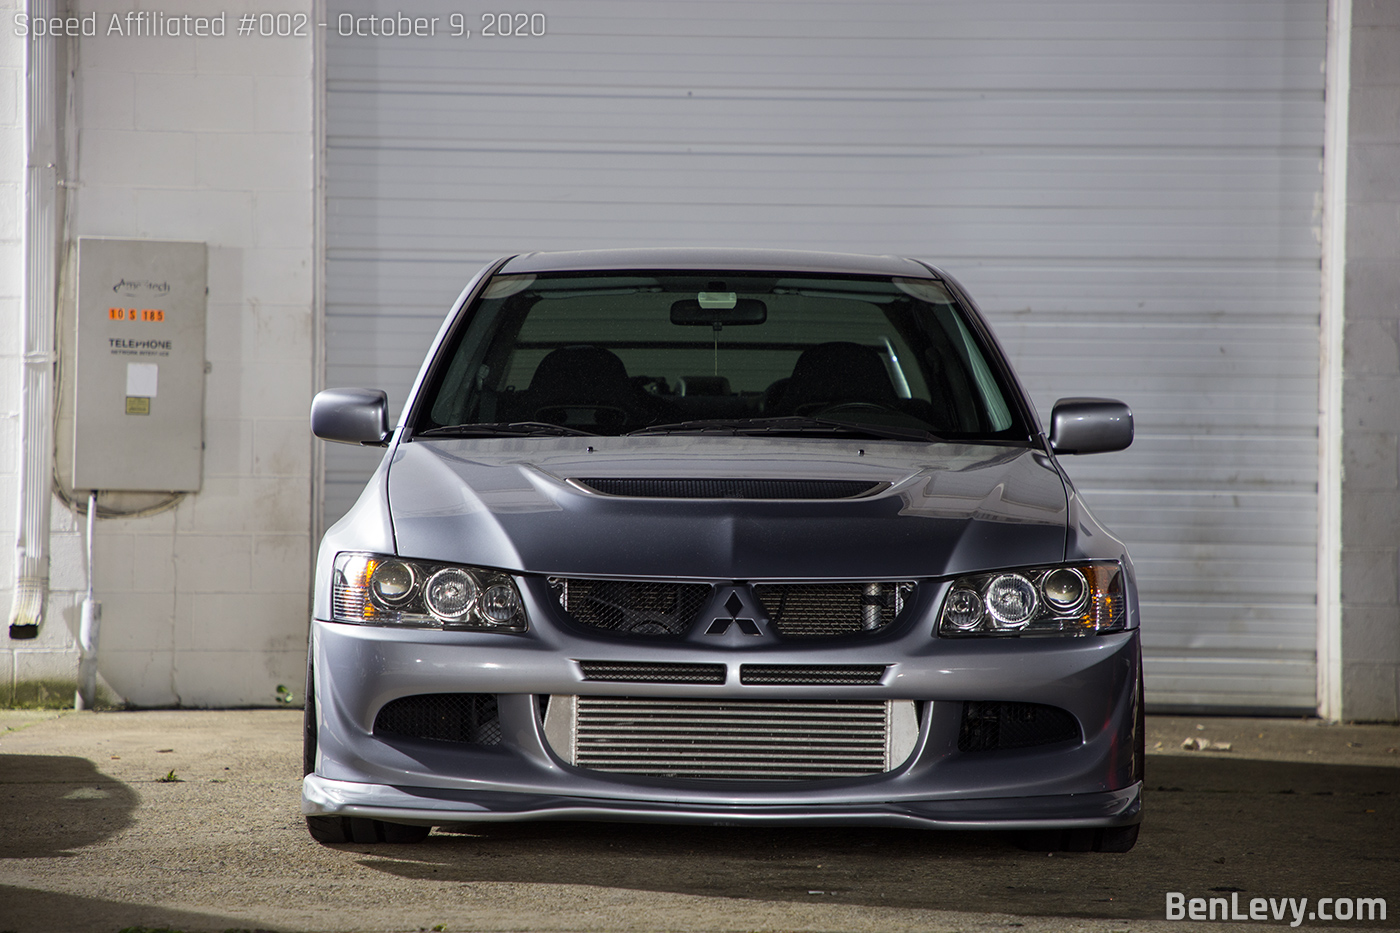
x: 89, y: 626
x: 1334, y: 238
x: 43, y: 108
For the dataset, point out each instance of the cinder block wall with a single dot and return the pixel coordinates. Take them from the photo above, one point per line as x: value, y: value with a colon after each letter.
x: 1371, y: 371
x: 207, y: 139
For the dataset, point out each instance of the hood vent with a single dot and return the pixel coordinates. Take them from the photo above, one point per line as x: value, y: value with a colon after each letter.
x: 732, y: 488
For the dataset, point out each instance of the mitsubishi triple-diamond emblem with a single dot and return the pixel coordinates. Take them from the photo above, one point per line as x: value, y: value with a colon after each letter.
x: 733, y: 605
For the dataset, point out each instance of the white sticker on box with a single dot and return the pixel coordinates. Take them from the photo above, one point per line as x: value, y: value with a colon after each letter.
x: 141, y: 379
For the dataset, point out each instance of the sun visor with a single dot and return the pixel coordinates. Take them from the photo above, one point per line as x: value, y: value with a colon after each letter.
x: 925, y: 290
x: 503, y: 286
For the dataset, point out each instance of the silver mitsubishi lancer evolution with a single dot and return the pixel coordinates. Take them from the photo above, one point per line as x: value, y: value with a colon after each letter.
x: 722, y: 536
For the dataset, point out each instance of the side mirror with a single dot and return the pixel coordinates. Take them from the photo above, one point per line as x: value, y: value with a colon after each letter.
x: 351, y: 416
x: 1090, y: 426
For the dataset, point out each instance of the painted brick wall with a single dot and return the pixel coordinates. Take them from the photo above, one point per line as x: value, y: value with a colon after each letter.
x: 206, y: 139
x: 11, y: 316
x: 1371, y: 372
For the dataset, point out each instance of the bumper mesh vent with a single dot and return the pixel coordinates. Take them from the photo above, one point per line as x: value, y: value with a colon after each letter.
x: 642, y: 672
x: 442, y: 717
x: 831, y: 610
x: 732, y: 740
x: 631, y: 607
x: 848, y: 675
x: 733, y: 488
x: 988, y: 726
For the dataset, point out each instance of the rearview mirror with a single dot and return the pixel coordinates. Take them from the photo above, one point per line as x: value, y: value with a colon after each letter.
x: 1090, y: 426
x: 718, y: 309
x: 351, y: 416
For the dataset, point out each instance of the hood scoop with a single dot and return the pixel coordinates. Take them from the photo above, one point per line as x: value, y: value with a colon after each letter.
x: 731, y: 488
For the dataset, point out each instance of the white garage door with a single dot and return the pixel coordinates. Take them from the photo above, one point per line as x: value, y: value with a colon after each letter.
x: 1129, y: 187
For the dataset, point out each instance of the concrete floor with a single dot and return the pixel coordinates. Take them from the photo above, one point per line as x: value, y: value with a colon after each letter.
x: 92, y: 839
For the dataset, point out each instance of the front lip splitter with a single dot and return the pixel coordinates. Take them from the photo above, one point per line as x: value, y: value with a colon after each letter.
x: 435, y: 806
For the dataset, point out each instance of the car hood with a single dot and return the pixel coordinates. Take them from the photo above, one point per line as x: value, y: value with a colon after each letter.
x: 507, y: 503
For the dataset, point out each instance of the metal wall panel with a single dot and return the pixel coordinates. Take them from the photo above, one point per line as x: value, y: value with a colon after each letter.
x: 1129, y: 187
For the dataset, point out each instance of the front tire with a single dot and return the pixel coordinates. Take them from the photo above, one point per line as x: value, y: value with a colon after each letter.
x: 1107, y: 839
x: 336, y: 829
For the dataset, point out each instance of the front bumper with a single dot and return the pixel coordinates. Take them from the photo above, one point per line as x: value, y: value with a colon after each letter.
x: 1089, y: 783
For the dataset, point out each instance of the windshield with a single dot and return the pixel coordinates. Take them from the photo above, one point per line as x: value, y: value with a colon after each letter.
x: 614, y: 353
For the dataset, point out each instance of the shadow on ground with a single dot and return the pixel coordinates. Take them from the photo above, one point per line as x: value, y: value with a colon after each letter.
x: 1214, y: 827
x: 232, y: 854
x: 57, y: 804
x: 36, y: 910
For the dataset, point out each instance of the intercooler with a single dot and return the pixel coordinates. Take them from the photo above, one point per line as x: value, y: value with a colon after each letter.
x: 732, y: 739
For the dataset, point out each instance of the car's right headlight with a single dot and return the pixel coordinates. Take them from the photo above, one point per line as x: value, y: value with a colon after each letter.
x: 379, y: 589
x: 1082, y: 598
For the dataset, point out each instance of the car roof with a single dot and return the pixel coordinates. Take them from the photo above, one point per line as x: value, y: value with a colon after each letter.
x: 705, y: 258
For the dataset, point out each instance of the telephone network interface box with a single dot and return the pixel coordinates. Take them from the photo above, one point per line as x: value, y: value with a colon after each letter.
x: 138, y: 379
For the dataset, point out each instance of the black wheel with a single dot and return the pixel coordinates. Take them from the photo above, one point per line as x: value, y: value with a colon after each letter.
x: 1117, y: 838
x: 334, y: 829
x: 1106, y: 839
x: 344, y: 828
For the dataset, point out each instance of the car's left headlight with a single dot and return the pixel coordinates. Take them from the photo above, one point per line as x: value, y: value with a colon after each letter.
x: 379, y: 589
x: 1084, y: 598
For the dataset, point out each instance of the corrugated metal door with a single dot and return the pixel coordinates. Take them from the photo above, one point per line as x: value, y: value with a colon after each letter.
x: 1128, y: 187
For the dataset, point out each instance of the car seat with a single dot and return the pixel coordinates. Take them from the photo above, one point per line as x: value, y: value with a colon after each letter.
x: 583, y: 386
x: 833, y: 374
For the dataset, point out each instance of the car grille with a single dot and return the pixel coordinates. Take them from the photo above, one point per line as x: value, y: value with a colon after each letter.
x: 829, y: 610
x: 988, y: 726
x: 643, y: 672
x: 733, y: 488
x: 665, y: 609
x: 848, y: 675
x: 732, y: 740
x: 442, y: 717
x: 632, y: 607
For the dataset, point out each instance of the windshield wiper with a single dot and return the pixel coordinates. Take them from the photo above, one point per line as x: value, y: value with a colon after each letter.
x: 792, y: 424
x: 503, y: 429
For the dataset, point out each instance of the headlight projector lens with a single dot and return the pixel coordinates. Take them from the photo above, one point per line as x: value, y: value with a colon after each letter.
x: 392, y: 583
x: 450, y: 593
x: 1064, y: 589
